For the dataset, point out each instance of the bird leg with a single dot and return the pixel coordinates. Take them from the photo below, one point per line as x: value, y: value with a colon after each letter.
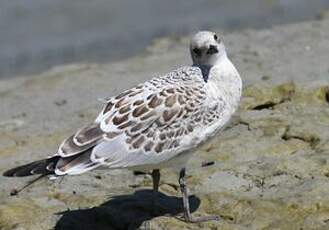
x: 187, y: 214
x: 156, y: 180
x: 15, y: 192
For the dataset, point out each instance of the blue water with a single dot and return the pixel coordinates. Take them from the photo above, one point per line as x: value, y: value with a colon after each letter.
x: 38, y: 34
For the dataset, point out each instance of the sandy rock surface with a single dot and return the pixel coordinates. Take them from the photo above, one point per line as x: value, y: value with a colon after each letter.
x: 271, y: 163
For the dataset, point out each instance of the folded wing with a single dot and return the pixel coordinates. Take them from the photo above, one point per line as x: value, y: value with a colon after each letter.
x: 145, y: 125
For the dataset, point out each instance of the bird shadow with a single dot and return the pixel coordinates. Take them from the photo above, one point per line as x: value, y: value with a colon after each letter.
x: 124, y: 212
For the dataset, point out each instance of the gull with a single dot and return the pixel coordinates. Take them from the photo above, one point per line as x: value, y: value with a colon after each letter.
x: 156, y: 124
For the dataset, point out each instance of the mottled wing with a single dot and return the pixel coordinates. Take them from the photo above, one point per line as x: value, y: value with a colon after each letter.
x: 145, y: 125
x: 152, y: 122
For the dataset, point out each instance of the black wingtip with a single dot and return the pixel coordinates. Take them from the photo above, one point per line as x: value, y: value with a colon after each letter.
x: 9, y: 173
x: 21, y: 171
x: 36, y: 167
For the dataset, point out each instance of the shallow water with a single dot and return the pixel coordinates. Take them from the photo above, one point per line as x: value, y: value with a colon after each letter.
x: 38, y: 34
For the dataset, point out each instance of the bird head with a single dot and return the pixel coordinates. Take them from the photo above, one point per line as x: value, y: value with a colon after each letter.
x: 206, y: 48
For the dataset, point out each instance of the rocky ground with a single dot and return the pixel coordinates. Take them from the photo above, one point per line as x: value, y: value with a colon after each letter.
x: 271, y: 163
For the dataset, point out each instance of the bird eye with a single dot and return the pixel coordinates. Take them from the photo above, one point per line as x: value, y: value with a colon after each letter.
x: 217, y: 38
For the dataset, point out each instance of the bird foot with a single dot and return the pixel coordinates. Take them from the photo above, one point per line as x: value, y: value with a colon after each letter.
x: 198, y: 219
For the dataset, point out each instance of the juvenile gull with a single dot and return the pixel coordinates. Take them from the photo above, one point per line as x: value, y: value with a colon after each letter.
x: 155, y: 124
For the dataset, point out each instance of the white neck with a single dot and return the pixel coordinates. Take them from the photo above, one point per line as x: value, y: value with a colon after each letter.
x: 222, y: 58
x: 225, y: 80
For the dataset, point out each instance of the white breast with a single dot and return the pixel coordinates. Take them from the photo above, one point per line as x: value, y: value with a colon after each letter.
x: 224, y: 85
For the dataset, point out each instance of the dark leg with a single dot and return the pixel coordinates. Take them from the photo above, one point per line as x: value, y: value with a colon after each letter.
x: 156, y: 181
x: 187, y: 214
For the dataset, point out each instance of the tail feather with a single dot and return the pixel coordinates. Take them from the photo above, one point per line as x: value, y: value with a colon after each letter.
x: 43, y: 167
x: 56, y: 165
